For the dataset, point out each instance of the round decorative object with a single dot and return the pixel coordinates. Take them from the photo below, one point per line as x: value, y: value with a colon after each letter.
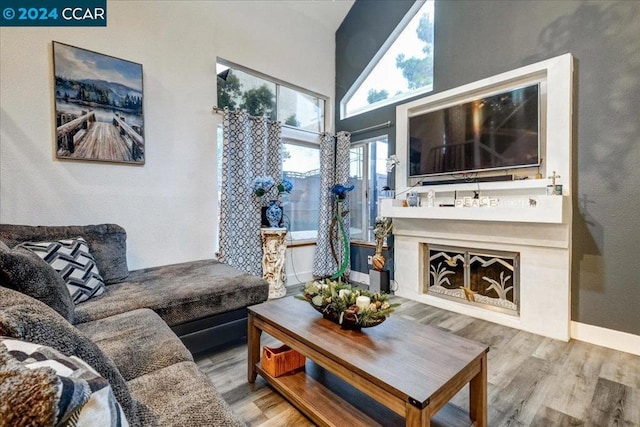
x: 348, y: 322
x: 274, y: 213
x: 377, y: 262
x: 348, y: 307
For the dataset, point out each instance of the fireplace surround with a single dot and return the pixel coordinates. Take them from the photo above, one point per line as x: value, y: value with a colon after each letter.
x: 533, y: 228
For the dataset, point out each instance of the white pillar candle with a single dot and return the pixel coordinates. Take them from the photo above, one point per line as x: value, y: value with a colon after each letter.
x: 344, y: 293
x: 362, y: 302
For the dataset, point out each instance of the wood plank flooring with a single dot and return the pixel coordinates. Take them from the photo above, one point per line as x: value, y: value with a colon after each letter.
x: 532, y: 380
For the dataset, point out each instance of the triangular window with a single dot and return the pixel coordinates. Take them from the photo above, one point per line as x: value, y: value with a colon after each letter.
x: 402, y: 68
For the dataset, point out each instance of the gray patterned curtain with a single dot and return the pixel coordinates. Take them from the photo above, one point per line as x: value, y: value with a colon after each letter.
x: 334, y: 169
x: 252, y: 147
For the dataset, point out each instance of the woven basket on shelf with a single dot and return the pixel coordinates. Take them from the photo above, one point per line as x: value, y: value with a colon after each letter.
x: 281, y: 360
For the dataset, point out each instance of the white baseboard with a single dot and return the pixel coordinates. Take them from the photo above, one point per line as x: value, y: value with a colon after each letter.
x: 359, y: 277
x: 299, y: 277
x: 307, y: 276
x: 617, y: 340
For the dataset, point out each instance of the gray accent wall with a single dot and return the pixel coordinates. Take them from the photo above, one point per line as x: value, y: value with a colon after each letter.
x: 478, y: 39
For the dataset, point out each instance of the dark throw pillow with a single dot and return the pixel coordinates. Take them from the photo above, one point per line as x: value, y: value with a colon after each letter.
x: 24, y: 271
x: 72, y: 259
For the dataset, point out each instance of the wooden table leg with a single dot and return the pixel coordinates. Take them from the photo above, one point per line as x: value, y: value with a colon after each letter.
x: 478, y: 395
x: 253, y: 345
x: 416, y: 417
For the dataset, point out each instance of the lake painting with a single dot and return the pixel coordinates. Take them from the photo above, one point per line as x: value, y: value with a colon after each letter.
x: 98, y: 106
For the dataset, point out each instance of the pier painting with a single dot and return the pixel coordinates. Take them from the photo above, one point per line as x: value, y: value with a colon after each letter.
x: 99, y: 113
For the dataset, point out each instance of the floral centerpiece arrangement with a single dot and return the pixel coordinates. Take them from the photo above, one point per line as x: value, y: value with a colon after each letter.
x: 348, y: 307
x: 263, y: 185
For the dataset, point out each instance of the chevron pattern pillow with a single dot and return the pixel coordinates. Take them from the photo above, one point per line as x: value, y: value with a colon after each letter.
x: 72, y: 259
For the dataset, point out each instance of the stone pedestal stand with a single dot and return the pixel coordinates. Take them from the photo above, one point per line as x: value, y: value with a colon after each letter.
x: 274, y: 247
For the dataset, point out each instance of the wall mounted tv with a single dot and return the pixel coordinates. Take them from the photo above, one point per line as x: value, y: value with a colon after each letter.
x: 496, y: 132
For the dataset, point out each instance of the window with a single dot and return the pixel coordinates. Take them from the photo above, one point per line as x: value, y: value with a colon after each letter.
x: 297, y: 108
x: 302, y: 113
x: 300, y: 110
x: 301, y: 165
x: 369, y: 175
x: 402, y: 68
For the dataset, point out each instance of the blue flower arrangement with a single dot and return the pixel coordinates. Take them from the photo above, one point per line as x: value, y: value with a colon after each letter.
x: 264, y: 184
x: 340, y: 191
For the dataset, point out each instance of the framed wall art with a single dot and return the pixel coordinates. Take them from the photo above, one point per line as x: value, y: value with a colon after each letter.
x: 98, y: 99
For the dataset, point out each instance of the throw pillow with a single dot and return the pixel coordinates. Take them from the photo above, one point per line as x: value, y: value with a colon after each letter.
x: 72, y: 259
x: 45, y: 387
x: 24, y: 271
x: 108, y: 243
x: 27, y: 319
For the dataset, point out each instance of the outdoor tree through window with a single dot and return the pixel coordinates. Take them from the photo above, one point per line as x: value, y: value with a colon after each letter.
x: 401, y: 69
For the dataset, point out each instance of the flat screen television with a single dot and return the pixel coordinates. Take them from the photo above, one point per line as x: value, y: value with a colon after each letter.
x: 496, y: 132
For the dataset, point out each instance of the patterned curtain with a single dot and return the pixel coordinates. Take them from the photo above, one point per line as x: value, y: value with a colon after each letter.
x: 252, y: 147
x: 334, y: 169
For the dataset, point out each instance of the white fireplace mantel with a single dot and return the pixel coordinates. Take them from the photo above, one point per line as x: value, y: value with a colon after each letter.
x: 539, y: 230
x: 547, y: 209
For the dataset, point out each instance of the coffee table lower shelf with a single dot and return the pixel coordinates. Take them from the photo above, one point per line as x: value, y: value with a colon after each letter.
x: 316, y: 401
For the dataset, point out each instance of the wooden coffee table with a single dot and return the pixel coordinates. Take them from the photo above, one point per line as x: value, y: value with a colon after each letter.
x: 412, y: 369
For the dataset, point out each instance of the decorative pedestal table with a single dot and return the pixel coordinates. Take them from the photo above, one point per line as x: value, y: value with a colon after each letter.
x: 274, y: 247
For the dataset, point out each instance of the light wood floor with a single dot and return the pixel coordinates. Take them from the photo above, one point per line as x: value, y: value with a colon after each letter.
x: 532, y: 380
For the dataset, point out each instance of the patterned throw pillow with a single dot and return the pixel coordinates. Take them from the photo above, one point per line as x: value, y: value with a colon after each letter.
x: 40, y: 386
x: 72, y: 259
x: 25, y: 318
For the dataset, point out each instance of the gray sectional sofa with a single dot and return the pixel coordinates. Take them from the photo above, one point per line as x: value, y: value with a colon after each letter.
x: 134, y: 334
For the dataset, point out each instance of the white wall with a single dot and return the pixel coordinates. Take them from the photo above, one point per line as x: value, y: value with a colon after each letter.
x: 299, y: 264
x: 168, y: 206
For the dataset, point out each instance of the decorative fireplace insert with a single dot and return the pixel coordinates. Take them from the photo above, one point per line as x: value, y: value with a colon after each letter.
x: 475, y: 276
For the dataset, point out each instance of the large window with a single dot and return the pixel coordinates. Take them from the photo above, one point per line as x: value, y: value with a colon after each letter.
x: 239, y: 87
x: 302, y: 114
x: 369, y: 175
x: 402, y: 68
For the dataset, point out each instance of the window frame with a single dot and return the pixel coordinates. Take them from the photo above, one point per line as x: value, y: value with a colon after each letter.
x: 366, y: 143
x: 288, y: 139
x: 278, y: 83
x: 411, y: 13
x: 290, y: 134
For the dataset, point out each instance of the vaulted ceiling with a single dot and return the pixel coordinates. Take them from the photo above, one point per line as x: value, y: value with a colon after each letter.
x: 329, y: 13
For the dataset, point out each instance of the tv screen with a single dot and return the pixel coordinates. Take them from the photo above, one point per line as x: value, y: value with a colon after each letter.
x: 496, y: 132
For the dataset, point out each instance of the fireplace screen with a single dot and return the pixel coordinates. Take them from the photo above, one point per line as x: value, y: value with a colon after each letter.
x: 488, y: 278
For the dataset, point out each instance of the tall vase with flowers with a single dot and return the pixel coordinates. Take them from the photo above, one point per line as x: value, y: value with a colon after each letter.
x: 264, y: 185
x: 339, y: 192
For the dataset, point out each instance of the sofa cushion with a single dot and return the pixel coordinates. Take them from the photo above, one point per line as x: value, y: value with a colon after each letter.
x: 26, y: 318
x: 80, y: 396
x: 72, y: 259
x: 107, y: 242
x: 138, y: 342
x: 24, y: 271
x: 180, y: 395
x: 178, y: 293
